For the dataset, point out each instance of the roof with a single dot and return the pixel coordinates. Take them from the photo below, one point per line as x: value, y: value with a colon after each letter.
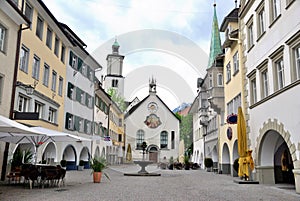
x: 231, y: 17
x: 215, y: 43
x: 131, y: 111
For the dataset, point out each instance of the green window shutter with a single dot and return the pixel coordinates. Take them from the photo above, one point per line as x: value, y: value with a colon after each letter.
x: 76, y: 124
x: 67, y: 120
x: 85, y: 125
x: 80, y: 62
x: 71, y: 58
x: 70, y: 87
x: 78, y: 92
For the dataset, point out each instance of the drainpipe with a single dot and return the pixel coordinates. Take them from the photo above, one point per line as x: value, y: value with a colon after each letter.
x: 11, y: 112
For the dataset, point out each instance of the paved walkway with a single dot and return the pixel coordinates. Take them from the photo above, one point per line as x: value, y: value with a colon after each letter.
x: 172, y: 185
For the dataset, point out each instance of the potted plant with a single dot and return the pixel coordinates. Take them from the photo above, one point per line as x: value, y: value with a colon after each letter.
x: 98, y: 164
x: 81, y: 165
x: 21, y: 157
x: 63, y: 163
x: 171, y: 163
x: 208, y: 162
x: 186, y: 162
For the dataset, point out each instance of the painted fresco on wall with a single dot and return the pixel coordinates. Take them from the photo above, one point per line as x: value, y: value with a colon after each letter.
x: 152, y: 121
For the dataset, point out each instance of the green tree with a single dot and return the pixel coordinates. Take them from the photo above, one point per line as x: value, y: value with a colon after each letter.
x: 119, y: 100
x: 186, y: 131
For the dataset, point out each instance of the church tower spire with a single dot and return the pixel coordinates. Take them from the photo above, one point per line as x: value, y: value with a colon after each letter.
x: 215, y: 43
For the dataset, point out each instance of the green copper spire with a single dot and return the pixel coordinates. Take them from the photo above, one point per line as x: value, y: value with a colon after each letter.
x: 215, y: 43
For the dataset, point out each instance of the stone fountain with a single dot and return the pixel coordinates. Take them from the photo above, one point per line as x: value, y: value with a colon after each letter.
x: 143, y: 164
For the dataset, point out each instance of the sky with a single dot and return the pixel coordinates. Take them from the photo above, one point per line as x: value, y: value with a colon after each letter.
x: 168, y: 40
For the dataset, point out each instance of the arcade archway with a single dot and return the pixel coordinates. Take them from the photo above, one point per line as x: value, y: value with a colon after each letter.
x: 226, y: 168
x: 69, y: 155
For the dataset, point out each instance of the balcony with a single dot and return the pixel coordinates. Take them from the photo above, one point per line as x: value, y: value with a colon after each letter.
x: 26, y: 116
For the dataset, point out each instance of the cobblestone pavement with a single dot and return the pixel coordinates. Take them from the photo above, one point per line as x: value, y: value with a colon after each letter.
x: 171, y: 185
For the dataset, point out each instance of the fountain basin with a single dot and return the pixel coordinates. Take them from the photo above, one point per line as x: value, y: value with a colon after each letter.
x: 143, y: 164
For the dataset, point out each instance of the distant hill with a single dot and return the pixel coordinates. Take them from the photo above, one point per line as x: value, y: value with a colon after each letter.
x: 182, y: 107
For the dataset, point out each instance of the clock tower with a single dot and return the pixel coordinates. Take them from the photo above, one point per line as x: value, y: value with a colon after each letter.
x: 114, y: 78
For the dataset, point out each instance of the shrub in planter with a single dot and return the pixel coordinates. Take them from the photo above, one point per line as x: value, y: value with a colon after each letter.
x: 63, y: 163
x: 236, y: 165
x: 186, y: 162
x: 208, y: 162
x: 81, y: 165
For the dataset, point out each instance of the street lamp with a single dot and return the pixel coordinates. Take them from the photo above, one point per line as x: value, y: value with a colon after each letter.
x: 204, y: 122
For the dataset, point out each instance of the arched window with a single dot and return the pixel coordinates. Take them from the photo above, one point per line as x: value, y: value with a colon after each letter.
x: 164, y: 140
x: 140, y: 137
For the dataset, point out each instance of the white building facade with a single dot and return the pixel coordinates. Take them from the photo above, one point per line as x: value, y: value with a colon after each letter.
x: 151, y: 121
x: 271, y: 37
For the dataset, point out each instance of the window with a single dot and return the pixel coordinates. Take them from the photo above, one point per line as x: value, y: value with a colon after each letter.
x: 60, y: 85
x: 279, y: 73
x: 1, y: 87
x: 49, y: 37
x: 250, y: 37
x: 38, y: 108
x: 54, y: 78
x: 24, y: 55
x: 114, y: 83
x: 28, y: 12
x: 210, y: 81
x: 88, y: 127
x: 296, y: 55
x: 275, y: 9
x: 172, y: 139
x: 69, y: 123
x: 260, y: 17
x: 139, y: 139
x: 46, y: 75
x: 23, y: 104
x: 233, y: 105
x: 253, y: 93
x: 39, y: 27
x: 228, y: 72
x: 2, y: 38
x: 278, y: 68
x: 265, y: 83
x: 36, y: 67
x: 56, y: 46
x: 220, y: 79
x: 73, y: 60
x: 89, y: 101
x: 91, y: 75
x: 84, y: 69
x: 236, y: 62
x: 71, y: 92
x: 52, y: 115
x: 164, y: 140
x: 62, y: 53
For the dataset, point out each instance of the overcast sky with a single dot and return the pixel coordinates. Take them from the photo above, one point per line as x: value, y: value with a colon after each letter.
x: 166, y: 39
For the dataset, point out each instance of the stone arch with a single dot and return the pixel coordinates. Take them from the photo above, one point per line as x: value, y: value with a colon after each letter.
x: 70, y: 155
x: 97, y: 152
x: 279, y: 128
x: 225, y: 163
x: 49, y: 153
x: 270, y: 143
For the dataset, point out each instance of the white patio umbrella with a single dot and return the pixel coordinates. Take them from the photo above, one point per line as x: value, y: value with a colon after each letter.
x: 14, y: 132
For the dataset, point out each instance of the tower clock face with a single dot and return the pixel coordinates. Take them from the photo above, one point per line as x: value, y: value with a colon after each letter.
x: 152, y: 107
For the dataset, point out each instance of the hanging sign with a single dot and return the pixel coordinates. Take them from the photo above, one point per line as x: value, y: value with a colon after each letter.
x: 232, y: 119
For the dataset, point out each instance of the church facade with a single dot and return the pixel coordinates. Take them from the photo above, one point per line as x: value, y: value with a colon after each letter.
x: 151, y: 121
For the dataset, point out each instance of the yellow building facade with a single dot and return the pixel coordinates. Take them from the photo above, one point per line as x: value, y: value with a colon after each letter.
x: 233, y: 92
x: 42, y: 65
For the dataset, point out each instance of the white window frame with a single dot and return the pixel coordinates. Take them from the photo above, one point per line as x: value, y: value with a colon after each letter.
x: 261, y: 19
x: 39, y: 27
x: 220, y: 79
x: 3, y: 31
x: 228, y: 72
x: 36, y: 67
x: 279, y: 65
x: 23, y: 104
x: 275, y: 9
x: 46, y: 75
x: 39, y: 108
x: 236, y: 62
x: 250, y: 35
x: 24, y: 56
x: 253, y: 90
x: 60, y: 85
x: 1, y: 87
x: 54, y: 80
x: 52, y: 115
